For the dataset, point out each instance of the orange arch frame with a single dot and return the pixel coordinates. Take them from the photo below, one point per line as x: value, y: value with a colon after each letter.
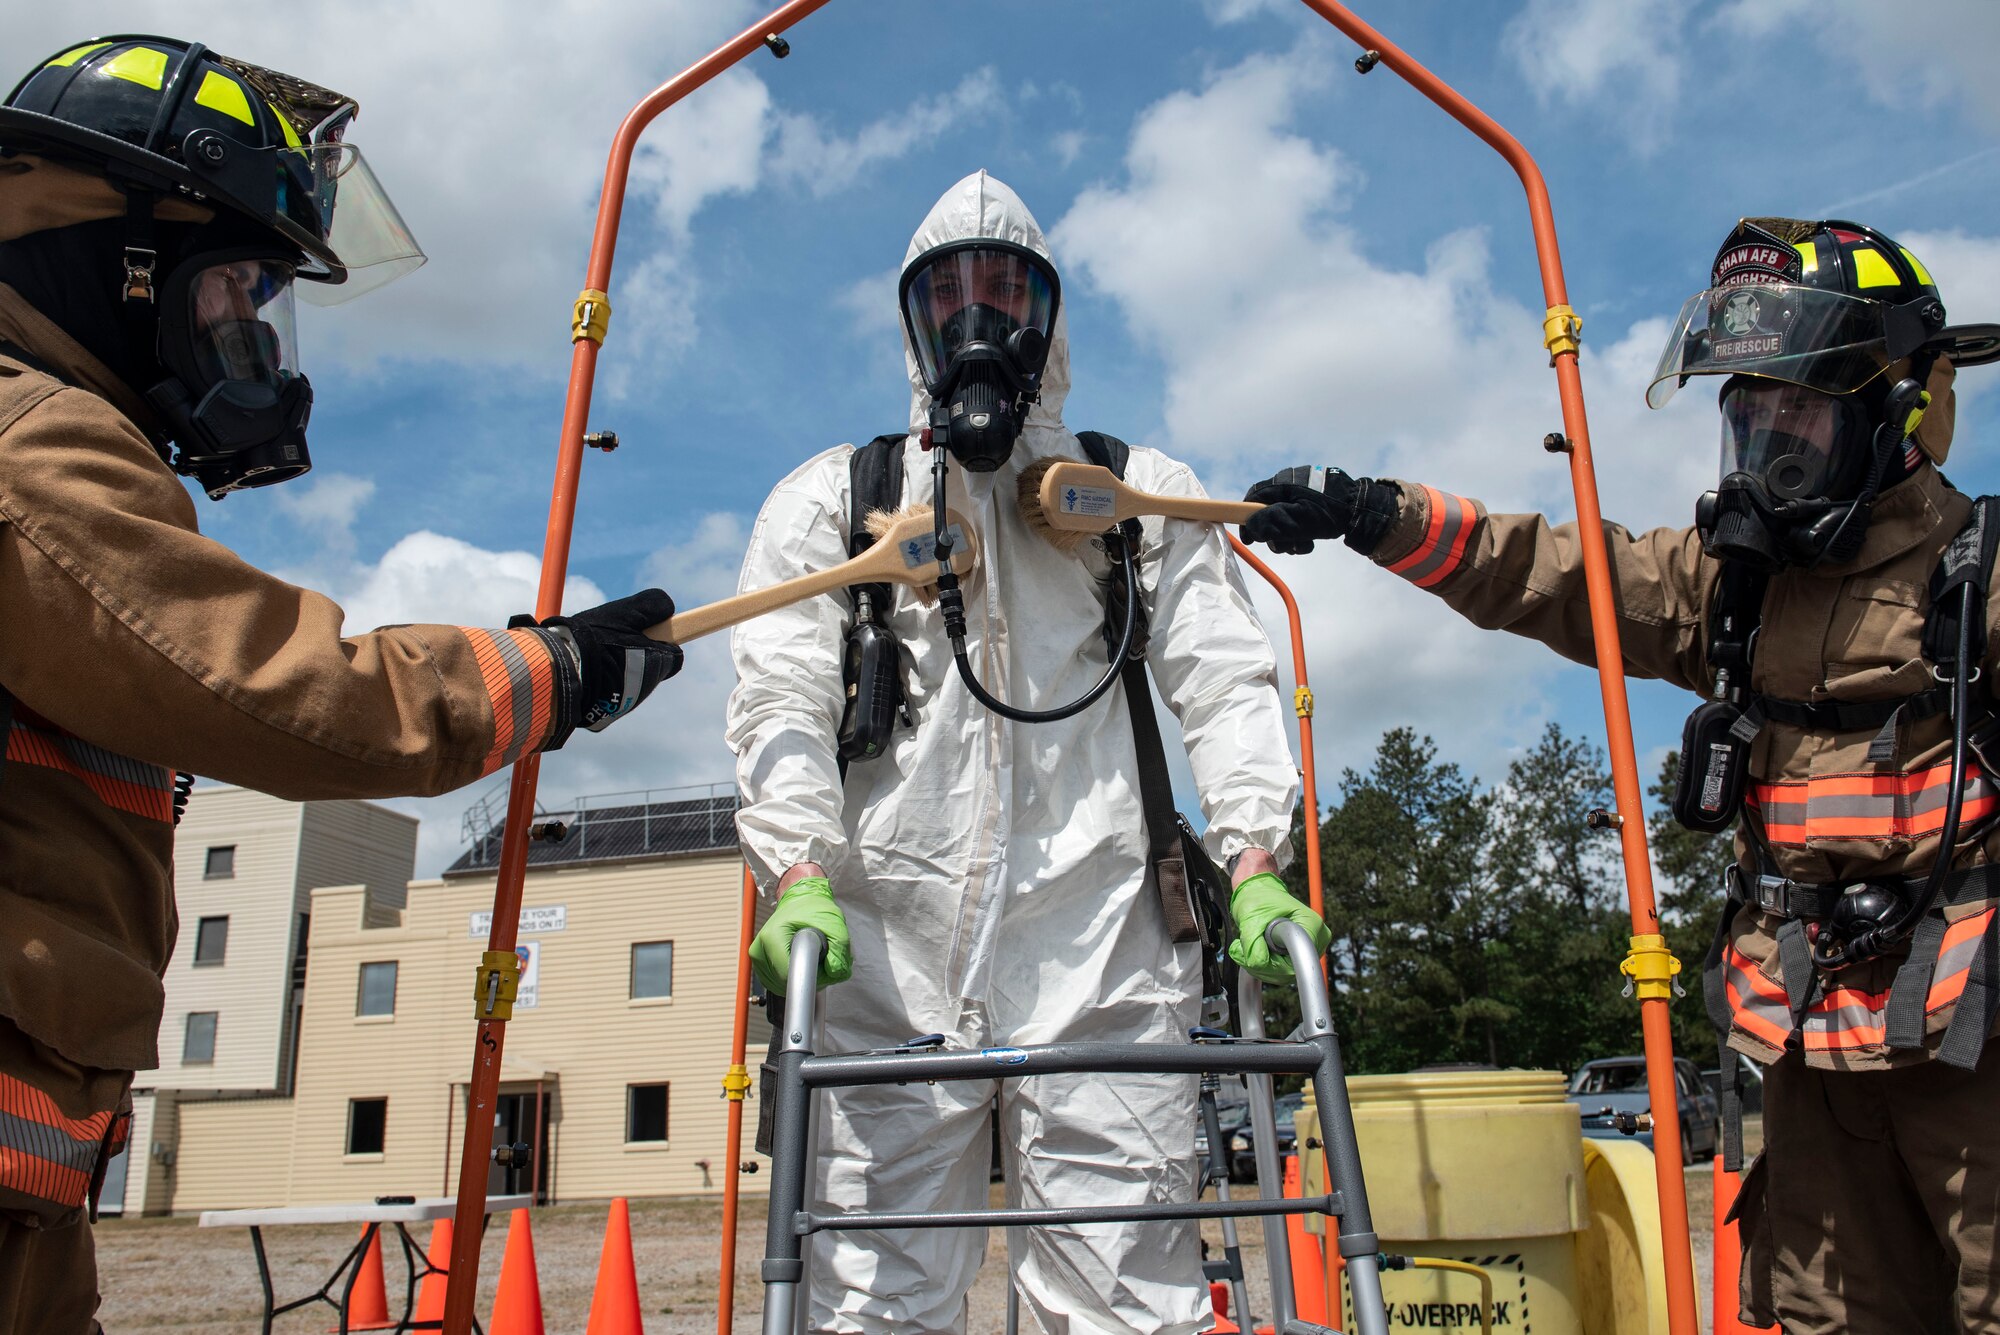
x: 1648, y: 961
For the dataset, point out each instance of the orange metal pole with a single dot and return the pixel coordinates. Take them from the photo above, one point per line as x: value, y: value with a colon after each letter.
x: 1302, y: 703
x: 1683, y: 1316
x: 734, y: 1086
x: 548, y: 602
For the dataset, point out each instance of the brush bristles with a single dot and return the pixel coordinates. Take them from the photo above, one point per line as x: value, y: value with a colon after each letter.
x: 879, y: 523
x: 1028, y: 496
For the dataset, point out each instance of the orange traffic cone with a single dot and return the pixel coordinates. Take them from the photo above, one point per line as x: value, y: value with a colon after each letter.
x: 430, y: 1299
x: 614, y: 1307
x: 1728, y: 1256
x: 1218, y: 1298
x: 517, y: 1307
x: 368, y: 1304
x: 1308, y: 1264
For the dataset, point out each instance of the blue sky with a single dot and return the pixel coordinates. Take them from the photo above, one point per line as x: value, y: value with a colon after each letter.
x: 1267, y: 259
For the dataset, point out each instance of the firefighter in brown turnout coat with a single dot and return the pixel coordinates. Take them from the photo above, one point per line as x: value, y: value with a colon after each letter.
x: 1831, y: 605
x: 158, y: 201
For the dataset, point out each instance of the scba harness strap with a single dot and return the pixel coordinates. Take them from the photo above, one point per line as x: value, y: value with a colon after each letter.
x: 1193, y: 891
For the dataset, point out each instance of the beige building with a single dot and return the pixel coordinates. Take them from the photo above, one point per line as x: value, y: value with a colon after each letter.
x: 320, y: 1052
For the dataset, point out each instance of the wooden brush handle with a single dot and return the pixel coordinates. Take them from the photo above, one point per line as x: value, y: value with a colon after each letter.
x: 883, y: 563
x: 727, y: 612
x: 1191, y: 507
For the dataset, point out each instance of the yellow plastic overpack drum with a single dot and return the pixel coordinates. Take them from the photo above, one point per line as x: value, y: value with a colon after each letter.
x: 1490, y: 1169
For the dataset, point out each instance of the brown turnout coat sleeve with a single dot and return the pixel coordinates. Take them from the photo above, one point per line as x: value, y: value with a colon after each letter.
x: 132, y: 647
x: 1519, y: 573
x: 130, y: 629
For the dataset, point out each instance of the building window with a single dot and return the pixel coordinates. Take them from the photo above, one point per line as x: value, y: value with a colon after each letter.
x: 652, y: 969
x: 367, y: 1125
x: 378, y: 989
x: 198, y: 1042
x: 211, y: 940
x: 221, y: 864
x: 645, y: 1113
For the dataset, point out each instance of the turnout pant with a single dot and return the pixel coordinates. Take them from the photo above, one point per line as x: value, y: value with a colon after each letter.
x: 1871, y: 1210
x: 57, y: 1122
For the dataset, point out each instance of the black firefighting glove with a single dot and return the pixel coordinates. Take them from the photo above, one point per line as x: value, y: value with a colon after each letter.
x: 1306, y: 505
x: 610, y: 665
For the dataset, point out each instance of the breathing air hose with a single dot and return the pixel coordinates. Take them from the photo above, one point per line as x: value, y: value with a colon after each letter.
x: 953, y: 604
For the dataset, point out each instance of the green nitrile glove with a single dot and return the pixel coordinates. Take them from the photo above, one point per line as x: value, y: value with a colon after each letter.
x: 1257, y: 903
x: 809, y: 903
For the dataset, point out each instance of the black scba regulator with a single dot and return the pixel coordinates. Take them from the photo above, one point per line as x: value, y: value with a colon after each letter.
x: 873, y: 674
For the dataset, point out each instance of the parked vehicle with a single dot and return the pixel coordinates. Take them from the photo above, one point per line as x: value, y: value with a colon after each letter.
x: 1612, y: 1088
x: 1243, y: 1141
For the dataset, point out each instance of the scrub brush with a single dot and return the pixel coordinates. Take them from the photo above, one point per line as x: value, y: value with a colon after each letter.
x: 1068, y: 503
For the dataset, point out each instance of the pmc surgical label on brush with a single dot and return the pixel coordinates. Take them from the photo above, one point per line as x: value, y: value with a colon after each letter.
x: 919, y: 552
x: 1096, y: 502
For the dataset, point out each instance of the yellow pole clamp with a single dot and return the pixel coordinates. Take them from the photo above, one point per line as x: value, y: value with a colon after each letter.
x: 736, y: 1083
x: 1652, y: 967
x: 591, y: 316
x: 498, y: 980
x: 1562, y: 331
x: 1302, y: 701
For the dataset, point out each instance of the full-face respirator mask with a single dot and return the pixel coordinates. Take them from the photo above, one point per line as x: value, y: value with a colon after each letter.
x: 1801, y: 471
x: 980, y: 316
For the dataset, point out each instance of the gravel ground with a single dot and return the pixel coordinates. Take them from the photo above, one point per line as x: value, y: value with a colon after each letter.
x: 168, y: 1275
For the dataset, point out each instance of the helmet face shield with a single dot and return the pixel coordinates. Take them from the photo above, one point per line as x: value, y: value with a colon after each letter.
x: 329, y: 190
x: 1806, y: 336
x: 988, y: 294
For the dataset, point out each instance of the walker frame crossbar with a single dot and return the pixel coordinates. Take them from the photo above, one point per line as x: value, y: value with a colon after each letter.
x: 800, y: 1072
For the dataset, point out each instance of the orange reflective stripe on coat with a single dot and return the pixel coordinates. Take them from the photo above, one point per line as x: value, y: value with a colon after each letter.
x: 1444, y: 542
x: 131, y: 786
x: 1756, y: 1003
x: 520, y: 680
x: 43, y: 1153
x: 1847, y: 1018
x: 1867, y: 806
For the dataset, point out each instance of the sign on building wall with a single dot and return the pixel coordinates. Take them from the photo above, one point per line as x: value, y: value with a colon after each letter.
x: 548, y: 918
x: 530, y: 955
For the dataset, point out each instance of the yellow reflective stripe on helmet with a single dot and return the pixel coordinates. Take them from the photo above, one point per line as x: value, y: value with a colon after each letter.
x: 141, y: 65
x: 1809, y: 255
x: 1871, y: 269
x: 218, y: 92
x: 285, y: 124
x: 1923, y: 274
x: 75, y: 54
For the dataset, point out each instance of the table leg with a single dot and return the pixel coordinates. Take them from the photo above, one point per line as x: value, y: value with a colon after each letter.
x: 410, y: 1268
x: 347, y: 1290
x: 263, y: 1275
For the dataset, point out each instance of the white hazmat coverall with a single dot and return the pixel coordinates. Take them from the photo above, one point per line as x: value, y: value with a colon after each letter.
x: 994, y: 874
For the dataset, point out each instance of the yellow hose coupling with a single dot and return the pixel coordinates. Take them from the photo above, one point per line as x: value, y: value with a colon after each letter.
x: 591, y: 316
x: 1562, y: 331
x: 498, y: 980
x: 1302, y: 701
x: 1652, y: 967
x: 736, y: 1083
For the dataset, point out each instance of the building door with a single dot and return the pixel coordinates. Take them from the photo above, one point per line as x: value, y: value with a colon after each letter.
x: 515, y: 1123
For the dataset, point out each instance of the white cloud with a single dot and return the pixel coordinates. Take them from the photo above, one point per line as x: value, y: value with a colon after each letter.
x: 1904, y: 56
x: 675, y: 740
x: 1288, y: 343
x: 1625, y: 57
x: 825, y: 163
x: 1068, y: 146
x: 1235, y: 11
x: 326, y: 505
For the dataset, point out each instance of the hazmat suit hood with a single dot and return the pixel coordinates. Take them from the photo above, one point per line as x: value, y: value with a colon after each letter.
x: 983, y: 208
